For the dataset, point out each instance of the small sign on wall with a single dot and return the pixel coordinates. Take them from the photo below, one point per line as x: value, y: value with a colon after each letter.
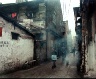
x: 0, y: 31
x: 4, y: 43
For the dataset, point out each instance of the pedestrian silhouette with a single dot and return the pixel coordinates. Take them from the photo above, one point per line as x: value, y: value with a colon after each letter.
x: 54, y: 58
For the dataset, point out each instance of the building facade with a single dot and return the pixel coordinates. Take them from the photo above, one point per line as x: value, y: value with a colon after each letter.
x: 86, y: 26
x: 43, y: 19
x: 16, y: 46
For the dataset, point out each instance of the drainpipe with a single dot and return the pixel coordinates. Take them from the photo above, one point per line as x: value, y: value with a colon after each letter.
x: 46, y: 30
x: 35, y: 57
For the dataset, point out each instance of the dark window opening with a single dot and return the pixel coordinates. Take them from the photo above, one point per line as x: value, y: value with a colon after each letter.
x: 15, y: 35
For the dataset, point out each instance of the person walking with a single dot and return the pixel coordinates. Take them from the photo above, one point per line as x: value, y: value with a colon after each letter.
x: 54, y: 58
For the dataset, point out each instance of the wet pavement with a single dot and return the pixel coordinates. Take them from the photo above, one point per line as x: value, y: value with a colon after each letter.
x: 45, y: 71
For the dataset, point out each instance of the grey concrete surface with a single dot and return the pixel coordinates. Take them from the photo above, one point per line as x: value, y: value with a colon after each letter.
x: 45, y: 71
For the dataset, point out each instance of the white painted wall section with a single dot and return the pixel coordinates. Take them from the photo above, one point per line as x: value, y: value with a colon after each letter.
x: 14, y: 53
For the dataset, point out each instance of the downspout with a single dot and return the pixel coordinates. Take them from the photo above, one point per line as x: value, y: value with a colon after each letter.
x: 35, y: 57
x: 46, y: 30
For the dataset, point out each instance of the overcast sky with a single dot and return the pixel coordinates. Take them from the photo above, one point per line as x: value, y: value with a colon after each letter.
x: 8, y: 1
x: 75, y: 2
x: 68, y: 13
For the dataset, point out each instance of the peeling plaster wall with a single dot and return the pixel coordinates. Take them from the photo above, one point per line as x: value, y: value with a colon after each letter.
x: 91, y: 55
x: 14, y: 53
x: 91, y: 47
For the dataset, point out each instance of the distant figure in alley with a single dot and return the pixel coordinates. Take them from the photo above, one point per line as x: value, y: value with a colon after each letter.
x: 54, y: 58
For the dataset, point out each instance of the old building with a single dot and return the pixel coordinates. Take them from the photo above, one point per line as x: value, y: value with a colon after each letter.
x: 69, y: 36
x: 85, y: 28
x: 40, y: 19
x: 54, y: 25
x: 16, y: 40
x: 88, y: 31
x: 16, y: 45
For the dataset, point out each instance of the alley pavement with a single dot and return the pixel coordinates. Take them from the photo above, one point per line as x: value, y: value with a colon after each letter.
x: 45, y: 71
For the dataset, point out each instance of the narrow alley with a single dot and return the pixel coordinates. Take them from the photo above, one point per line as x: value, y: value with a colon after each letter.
x: 47, y: 38
x: 45, y: 71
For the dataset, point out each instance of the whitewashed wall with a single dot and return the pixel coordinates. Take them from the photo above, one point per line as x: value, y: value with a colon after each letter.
x: 92, y: 48
x: 15, y: 52
x: 91, y: 55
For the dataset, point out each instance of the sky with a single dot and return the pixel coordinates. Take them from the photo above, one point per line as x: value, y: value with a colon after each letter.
x: 8, y: 1
x: 68, y: 13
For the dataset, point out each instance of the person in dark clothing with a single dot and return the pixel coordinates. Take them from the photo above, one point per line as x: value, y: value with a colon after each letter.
x: 54, y: 58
